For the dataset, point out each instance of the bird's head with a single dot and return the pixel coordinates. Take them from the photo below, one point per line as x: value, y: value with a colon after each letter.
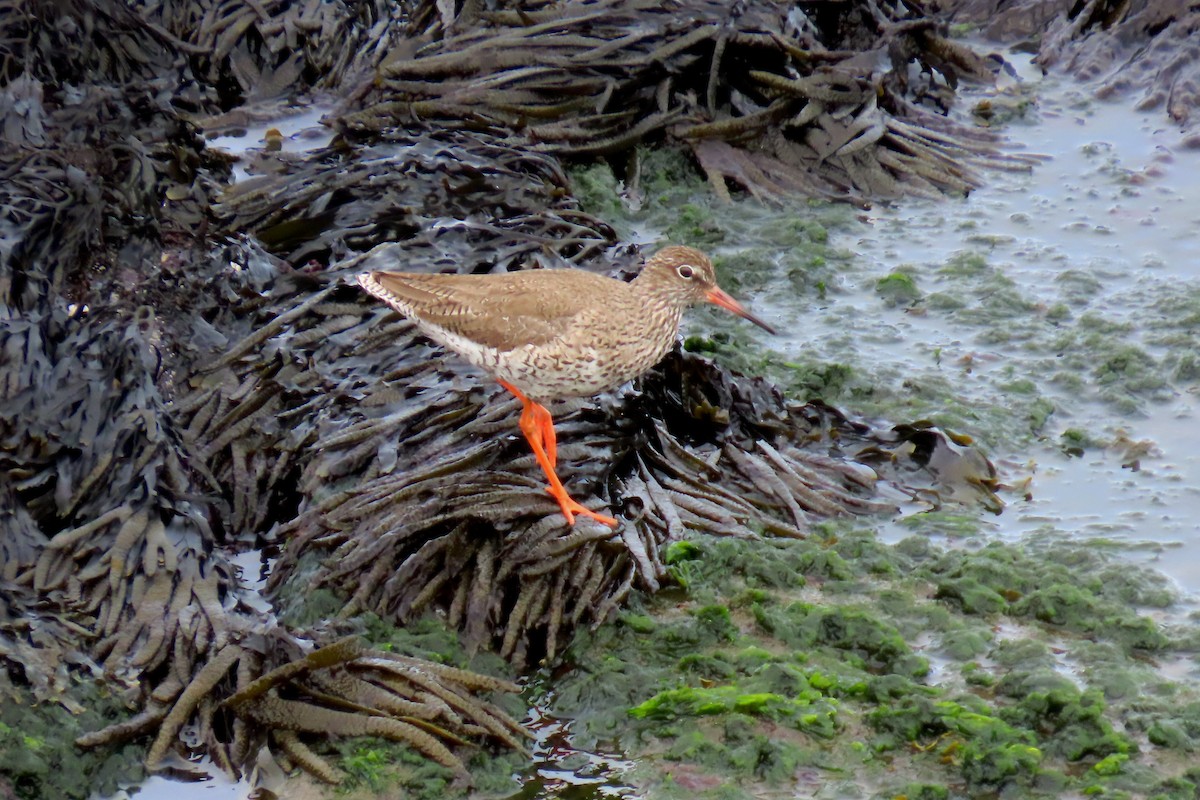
x: 686, y: 276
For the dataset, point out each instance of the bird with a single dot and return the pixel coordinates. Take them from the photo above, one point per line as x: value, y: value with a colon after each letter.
x: 551, y: 334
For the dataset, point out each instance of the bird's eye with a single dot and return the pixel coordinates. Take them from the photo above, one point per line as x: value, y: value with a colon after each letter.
x: 686, y: 271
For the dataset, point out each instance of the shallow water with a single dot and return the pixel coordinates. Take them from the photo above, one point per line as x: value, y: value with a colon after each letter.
x: 215, y: 787
x: 1107, y: 227
x: 299, y: 132
x: 559, y: 767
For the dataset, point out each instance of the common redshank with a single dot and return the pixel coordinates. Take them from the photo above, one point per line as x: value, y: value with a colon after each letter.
x: 551, y: 334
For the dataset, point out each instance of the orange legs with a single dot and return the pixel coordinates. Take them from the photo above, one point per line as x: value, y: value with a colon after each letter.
x: 538, y: 427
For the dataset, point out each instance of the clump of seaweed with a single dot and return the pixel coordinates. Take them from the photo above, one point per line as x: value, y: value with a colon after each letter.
x: 91, y: 444
x: 773, y: 98
x: 116, y: 539
x: 256, y: 54
x: 95, y: 143
x: 143, y: 583
x: 340, y: 690
x: 421, y: 497
x: 416, y: 187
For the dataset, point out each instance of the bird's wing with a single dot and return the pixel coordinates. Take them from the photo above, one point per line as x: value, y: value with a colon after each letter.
x: 503, y: 311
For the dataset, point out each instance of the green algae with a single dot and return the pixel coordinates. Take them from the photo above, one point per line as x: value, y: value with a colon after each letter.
x: 1071, y: 723
x: 746, y: 751
x: 1075, y: 441
x: 378, y: 764
x: 695, y: 225
x: 1093, y: 344
x: 1067, y: 585
x: 923, y: 791
x: 805, y: 711
x: 898, y: 288
x: 988, y: 751
x: 951, y: 524
x: 682, y: 550
x: 965, y: 644
x: 1178, y: 788
x: 38, y: 756
x: 782, y: 655
x: 862, y: 639
x: 374, y: 767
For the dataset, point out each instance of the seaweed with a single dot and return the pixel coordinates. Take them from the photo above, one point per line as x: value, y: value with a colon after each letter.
x: 774, y: 98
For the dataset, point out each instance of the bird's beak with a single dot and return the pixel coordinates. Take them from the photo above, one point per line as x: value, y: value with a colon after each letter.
x: 719, y: 298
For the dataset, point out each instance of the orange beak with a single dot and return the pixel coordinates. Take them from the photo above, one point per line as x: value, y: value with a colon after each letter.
x: 719, y: 298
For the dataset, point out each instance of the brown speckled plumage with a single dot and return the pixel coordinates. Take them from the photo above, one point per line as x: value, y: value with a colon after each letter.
x: 549, y: 334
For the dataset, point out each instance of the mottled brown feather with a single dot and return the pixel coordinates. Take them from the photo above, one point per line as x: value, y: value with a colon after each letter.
x: 501, y: 311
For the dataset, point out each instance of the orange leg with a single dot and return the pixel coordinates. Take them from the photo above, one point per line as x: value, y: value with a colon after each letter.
x: 538, y: 427
x: 545, y: 424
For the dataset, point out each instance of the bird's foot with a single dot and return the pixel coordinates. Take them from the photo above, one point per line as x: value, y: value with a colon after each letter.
x: 571, y: 507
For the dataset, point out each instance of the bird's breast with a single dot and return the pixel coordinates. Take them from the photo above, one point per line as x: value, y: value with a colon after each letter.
x: 583, y: 366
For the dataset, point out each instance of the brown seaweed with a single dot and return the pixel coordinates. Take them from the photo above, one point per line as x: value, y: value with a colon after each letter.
x: 760, y: 90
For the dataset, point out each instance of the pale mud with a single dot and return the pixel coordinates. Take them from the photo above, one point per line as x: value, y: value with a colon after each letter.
x: 1107, y: 230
